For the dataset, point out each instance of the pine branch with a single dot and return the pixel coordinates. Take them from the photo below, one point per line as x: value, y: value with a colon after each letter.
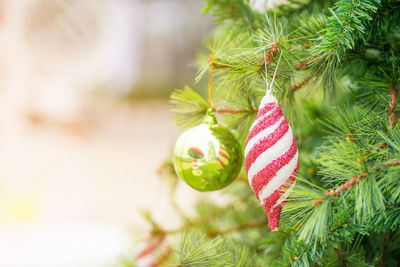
x: 222, y: 231
x: 188, y: 106
x: 301, y: 254
x: 345, y: 26
x: 390, y: 220
x: 344, y: 29
x: 251, y: 224
x: 196, y: 250
x: 357, y: 157
x: 233, y: 11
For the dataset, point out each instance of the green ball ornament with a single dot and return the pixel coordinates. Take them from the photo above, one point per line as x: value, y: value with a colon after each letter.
x: 207, y: 157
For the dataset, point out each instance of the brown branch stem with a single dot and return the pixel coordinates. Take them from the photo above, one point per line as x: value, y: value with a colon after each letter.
x: 392, y: 107
x: 242, y: 179
x: 251, y: 224
x: 352, y: 181
x: 336, y: 191
x: 303, y: 65
x: 391, y: 163
x: 270, y: 54
x: 233, y: 110
x: 300, y: 84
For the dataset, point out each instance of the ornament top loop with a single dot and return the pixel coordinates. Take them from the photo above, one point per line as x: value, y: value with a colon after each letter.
x: 210, y: 117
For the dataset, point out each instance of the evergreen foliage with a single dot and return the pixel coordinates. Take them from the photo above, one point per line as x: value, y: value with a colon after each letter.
x: 338, y: 82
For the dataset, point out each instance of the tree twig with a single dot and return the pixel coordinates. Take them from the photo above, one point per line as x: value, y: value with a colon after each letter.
x: 392, y: 107
x: 391, y: 163
x: 233, y: 110
x: 269, y: 56
x: 352, y: 181
x: 336, y: 191
x: 251, y: 224
x: 299, y: 85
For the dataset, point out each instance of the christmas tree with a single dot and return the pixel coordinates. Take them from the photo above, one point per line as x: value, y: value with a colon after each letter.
x: 334, y: 68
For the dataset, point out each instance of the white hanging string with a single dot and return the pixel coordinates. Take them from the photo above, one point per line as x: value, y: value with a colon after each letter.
x: 266, y: 70
x: 269, y: 87
x: 276, y: 69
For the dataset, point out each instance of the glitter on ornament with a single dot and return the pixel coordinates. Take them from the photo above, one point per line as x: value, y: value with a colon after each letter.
x: 271, y: 158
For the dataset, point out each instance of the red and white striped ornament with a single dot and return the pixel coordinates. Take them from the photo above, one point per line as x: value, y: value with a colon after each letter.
x: 196, y: 155
x: 152, y: 251
x: 271, y: 158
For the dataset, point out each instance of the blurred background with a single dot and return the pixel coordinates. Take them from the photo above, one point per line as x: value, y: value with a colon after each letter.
x: 85, y: 123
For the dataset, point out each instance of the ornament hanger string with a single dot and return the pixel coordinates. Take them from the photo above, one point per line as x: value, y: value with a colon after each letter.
x: 276, y: 69
x: 210, y: 81
x: 269, y: 87
x: 266, y: 69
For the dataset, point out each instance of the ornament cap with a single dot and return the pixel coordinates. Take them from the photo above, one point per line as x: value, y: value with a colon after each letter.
x: 210, y: 117
x: 268, y: 98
